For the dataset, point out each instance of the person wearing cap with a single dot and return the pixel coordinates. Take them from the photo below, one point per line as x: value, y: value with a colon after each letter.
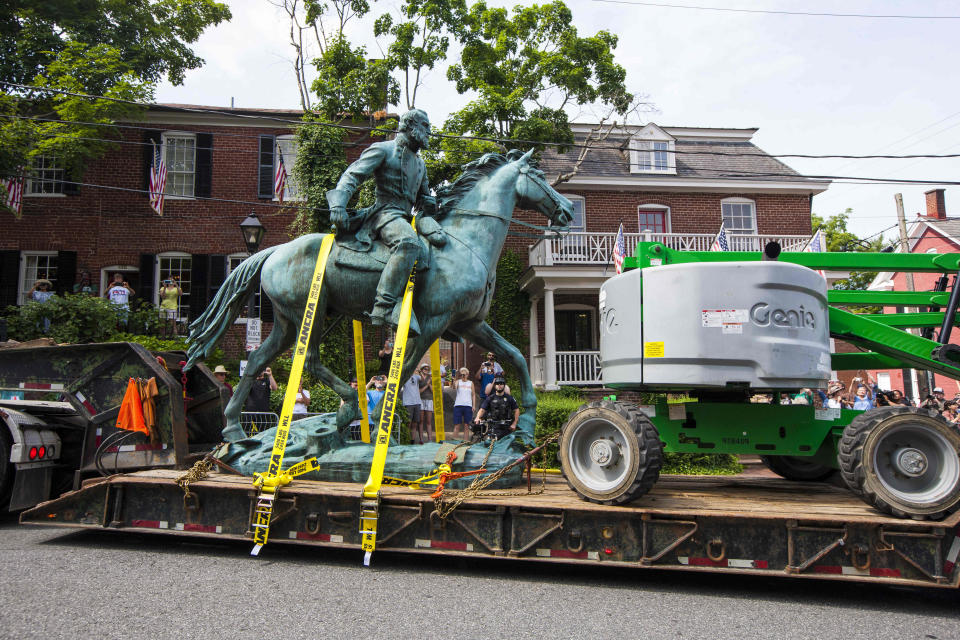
x: 463, y: 405
x: 220, y: 373
x: 500, y: 408
x: 486, y: 373
x: 938, y: 396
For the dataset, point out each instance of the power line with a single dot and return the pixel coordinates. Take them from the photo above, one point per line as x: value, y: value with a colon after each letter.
x: 780, y: 12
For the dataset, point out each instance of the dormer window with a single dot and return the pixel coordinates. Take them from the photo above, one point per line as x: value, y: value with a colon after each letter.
x: 651, y: 151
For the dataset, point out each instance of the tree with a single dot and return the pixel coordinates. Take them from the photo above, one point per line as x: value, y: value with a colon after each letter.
x: 528, y: 68
x: 838, y: 238
x: 118, y: 50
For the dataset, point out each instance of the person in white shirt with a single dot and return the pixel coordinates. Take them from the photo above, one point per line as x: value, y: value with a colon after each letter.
x: 411, y: 402
x: 119, y: 294
x: 302, y: 403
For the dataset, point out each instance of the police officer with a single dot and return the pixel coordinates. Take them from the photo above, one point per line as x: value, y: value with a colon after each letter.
x: 500, y: 408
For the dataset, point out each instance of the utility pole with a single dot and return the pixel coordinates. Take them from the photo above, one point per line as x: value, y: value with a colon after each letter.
x: 905, y: 248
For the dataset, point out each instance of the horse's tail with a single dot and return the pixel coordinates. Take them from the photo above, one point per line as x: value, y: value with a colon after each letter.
x: 206, y: 330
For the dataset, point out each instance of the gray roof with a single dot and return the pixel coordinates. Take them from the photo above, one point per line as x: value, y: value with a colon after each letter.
x: 950, y: 226
x: 695, y: 159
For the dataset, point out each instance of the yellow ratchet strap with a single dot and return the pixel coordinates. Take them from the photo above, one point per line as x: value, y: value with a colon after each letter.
x: 370, y: 500
x: 361, y: 379
x: 269, y: 483
x: 438, y: 427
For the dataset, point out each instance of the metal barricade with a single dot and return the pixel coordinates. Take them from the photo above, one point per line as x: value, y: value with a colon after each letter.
x: 253, y: 422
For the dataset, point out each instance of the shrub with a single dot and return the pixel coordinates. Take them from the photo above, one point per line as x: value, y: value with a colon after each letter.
x: 72, y: 318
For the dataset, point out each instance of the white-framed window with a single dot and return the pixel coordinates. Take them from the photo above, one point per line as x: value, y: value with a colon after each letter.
x: 576, y: 327
x: 575, y: 242
x: 233, y: 261
x: 178, y: 265
x: 287, y: 145
x: 740, y: 219
x: 45, y: 177
x: 36, y: 265
x: 653, y: 217
x: 180, y: 157
x: 651, y: 151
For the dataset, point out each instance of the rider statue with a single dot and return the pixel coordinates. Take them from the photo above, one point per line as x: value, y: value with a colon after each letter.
x: 401, y: 185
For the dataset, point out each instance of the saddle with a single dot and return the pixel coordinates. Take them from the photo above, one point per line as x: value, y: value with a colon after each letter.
x: 376, y: 258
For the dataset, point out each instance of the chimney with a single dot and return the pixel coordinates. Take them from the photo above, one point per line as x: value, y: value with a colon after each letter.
x: 936, y: 208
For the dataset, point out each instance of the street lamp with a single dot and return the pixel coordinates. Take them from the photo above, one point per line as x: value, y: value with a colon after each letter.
x: 252, y: 232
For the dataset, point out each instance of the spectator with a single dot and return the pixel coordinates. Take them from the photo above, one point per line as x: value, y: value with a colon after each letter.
x: 119, y: 294
x: 930, y: 403
x: 85, y: 286
x: 486, y: 373
x: 938, y: 396
x: 896, y: 397
x: 374, y: 396
x: 170, y: 294
x: 302, y: 404
x: 411, y: 402
x: 385, y: 355
x: 355, y: 424
x: 259, y: 398
x: 426, y: 403
x: 220, y: 373
x: 463, y: 405
x: 41, y: 291
x: 949, y: 412
x: 864, y: 400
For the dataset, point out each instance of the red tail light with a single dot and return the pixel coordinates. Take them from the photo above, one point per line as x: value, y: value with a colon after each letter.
x: 42, y: 452
x: 33, y: 453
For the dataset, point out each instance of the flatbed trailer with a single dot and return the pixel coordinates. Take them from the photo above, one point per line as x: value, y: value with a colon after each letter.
x: 725, y: 524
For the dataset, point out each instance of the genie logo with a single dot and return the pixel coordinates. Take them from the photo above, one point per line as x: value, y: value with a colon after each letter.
x: 763, y: 315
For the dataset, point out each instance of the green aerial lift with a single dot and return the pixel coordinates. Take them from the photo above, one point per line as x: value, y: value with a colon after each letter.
x: 724, y: 328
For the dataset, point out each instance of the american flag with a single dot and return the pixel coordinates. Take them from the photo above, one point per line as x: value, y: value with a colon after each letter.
x: 619, y: 250
x: 158, y: 180
x: 280, y: 178
x: 720, y: 242
x: 817, y: 244
x: 14, y: 197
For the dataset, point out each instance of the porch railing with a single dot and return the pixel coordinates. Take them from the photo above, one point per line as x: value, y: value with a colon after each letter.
x: 579, y: 368
x: 580, y: 247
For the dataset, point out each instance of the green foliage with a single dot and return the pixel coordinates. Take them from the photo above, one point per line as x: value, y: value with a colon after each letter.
x: 510, y: 305
x: 838, y: 238
x: 348, y: 83
x: 72, y: 318
x: 99, y: 47
x: 446, y: 156
x: 320, y: 161
x: 701, y: 464
x: 152, y: 343
x: 526, y: 66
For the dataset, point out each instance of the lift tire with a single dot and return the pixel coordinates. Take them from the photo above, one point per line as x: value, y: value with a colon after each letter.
x: 797, y: 468
x: 904, y: 461
x: 610, y: 452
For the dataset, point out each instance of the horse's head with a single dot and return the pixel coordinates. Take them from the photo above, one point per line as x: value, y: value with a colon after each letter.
x: 534, y: 192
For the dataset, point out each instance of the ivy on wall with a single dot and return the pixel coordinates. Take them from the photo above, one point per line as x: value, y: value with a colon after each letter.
x: 510, y: 306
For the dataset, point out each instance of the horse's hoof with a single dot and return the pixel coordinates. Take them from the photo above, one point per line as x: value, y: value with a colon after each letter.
x: 233, y: 433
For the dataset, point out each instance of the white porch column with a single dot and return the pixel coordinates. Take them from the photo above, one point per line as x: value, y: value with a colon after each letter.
x: 550, y: 342
x: 534, y: 329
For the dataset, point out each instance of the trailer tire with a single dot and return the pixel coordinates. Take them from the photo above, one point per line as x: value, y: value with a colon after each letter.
x: 904, y: 461
x: 610, y: 452
x: 797, y: 468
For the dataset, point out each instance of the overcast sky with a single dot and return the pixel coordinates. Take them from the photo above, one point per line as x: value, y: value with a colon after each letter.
x: 811, y: 84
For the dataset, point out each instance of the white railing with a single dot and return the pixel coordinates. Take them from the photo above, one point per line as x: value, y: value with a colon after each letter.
x: 578, y: 367
x: 580, y: 247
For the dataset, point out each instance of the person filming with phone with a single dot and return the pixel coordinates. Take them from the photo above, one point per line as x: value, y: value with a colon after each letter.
x: 170, y: 294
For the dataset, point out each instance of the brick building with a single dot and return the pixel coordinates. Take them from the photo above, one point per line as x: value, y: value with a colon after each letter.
x: 669, y: 184
x: 933, y: 232
x: 220, y: 167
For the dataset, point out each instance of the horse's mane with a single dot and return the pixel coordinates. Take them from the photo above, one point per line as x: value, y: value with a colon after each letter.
x: 450, y: 194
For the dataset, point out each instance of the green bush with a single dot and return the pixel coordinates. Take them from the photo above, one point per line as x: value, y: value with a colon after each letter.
x: 72, y: 318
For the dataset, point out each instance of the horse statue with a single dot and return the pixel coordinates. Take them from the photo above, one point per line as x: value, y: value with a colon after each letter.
x: 452, y: 295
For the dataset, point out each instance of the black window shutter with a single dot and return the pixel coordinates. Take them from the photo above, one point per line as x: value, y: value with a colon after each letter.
x: 266, y: 307
x: 66, y: 271
x: 199, y: 284
x: 148, y: 263
x: 203, y: 177
x: 150, y: 138
x: 218, y: 273
x: 265, y: 182
x: 9, y: 276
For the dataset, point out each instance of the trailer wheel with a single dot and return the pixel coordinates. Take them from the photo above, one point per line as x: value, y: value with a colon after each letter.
x: 610, y: 452
x: 903, y: 461
x: 797, y: 468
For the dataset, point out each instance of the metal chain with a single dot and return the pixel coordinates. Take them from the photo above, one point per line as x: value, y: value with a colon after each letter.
x: 444, y: 508
x: 199, y: 471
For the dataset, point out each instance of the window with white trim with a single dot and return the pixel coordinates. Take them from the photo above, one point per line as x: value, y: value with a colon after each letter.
x: 174, y: 265
x: 740, y: 219
x: 653, y: 217
x: 180, y: 157
x: 45, y: 177
x: 36, y: 265
x: 233, y: 261
x: 287, y: 146
x: 651, y: 151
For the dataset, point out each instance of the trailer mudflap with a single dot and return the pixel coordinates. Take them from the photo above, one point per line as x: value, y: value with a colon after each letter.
x: 735, y: 525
